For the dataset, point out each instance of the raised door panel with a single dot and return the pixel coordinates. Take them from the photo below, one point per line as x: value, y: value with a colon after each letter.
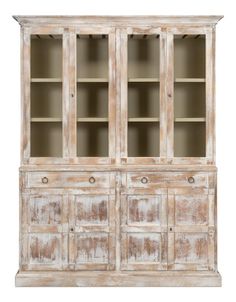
x: 44, y: 237
x: 143, y: 232
x: 191, y: 232
x: 92, y: 232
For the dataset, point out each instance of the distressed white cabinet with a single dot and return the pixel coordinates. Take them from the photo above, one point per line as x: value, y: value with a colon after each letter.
x: 118, y: 172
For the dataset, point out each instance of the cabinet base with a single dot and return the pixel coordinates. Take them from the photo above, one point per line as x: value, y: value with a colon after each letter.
x: 96, y: 278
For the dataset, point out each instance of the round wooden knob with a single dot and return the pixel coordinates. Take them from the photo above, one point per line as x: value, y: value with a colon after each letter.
x: 144, y: 180
x: 92, y: 180
x: 191, y: 180
x: 72, y: 229
x: 44, y: 180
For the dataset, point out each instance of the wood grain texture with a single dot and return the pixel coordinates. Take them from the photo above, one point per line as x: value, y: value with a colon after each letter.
x: 143, y: 278
x: 123, y: 21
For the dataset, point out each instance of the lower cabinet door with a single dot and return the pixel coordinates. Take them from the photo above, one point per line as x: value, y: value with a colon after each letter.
x: 92, y: 232
x: 144, y: 232
x: 44, y: 232
x: 191, y: 236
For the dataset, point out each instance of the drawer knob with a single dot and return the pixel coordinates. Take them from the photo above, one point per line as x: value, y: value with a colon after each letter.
x: 144, y: 180
x: 92, y: 180
x: 44, y: 180
x: 191, y: 180
x: 72, y: 229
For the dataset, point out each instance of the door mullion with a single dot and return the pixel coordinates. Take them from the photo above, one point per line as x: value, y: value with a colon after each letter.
x: 170, y: 96
x: 73, y: 96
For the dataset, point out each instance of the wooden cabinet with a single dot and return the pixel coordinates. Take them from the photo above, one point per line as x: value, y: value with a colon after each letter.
x: 118, y: 172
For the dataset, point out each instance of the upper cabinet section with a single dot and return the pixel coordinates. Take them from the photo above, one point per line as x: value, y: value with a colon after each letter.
x: 118, y: 90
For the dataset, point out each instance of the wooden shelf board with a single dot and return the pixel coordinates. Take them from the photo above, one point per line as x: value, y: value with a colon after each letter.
x: 190, y: 119
x: 46, y: 80
x: 143, y: 119
x: 46, y: 119
x: 190, y: 80
x: 143, y: 80
x: 92, y: 119
x: 92, y: 80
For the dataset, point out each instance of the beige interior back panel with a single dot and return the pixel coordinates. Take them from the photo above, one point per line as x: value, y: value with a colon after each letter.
x: 189, y: 139
x: 189, y: 57
x: 46, y: 57
x: 92, y: 100
x: 189, y: 100
x: 143, y: 100
x: 143, y: 139
x: 92, y: 139
x: 92, y: 57
x: 46, y: 100
x: 46, y: 139
x: 143, y: 57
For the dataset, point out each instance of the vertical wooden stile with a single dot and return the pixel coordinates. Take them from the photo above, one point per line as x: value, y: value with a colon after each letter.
x: 163, y: 111
x: 66, y: 95
x: 124, y: 92
x: 25, y: 94
x: 73, y: 95
x: 118, y: 97
x: 112, y: 94
x: 210, y: 95
x: 170, y: 96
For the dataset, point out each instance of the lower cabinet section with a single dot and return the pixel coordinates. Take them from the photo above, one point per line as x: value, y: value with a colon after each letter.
x: 122, y: 230
x: 67, y: 232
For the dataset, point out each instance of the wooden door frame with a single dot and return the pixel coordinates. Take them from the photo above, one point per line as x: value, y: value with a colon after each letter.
x: 123, y: 76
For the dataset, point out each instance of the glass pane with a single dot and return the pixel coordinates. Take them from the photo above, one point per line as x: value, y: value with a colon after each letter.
x: 92, y: 139
x: 46, y: 95
x: 92, y: 95
x: 189, y: 96
x: 143, y: 95
x: 143, y: 139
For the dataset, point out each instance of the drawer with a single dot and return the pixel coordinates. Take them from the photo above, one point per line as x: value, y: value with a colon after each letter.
x: 167, y: 179
x: 69, y: 180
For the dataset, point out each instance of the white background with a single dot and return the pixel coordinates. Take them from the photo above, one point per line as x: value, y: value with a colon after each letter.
x: 10, y: 143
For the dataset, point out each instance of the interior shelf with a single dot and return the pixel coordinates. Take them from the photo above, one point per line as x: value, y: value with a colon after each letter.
x: 143, y: 119
x: 190, y: 80
x: 46, y: 80
x: 190, y: 119
x: 143, y: 80
x: 92, y: 119
x: 92, y: 80
x: 46, y: 119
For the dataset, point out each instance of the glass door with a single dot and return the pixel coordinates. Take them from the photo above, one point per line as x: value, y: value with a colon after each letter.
x: 95, y: 86
x: 140, y: 94
x: 189, y: 97
x: 46, y: 95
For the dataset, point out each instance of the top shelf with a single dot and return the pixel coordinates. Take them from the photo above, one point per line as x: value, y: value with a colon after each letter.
x: 130, y: 80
